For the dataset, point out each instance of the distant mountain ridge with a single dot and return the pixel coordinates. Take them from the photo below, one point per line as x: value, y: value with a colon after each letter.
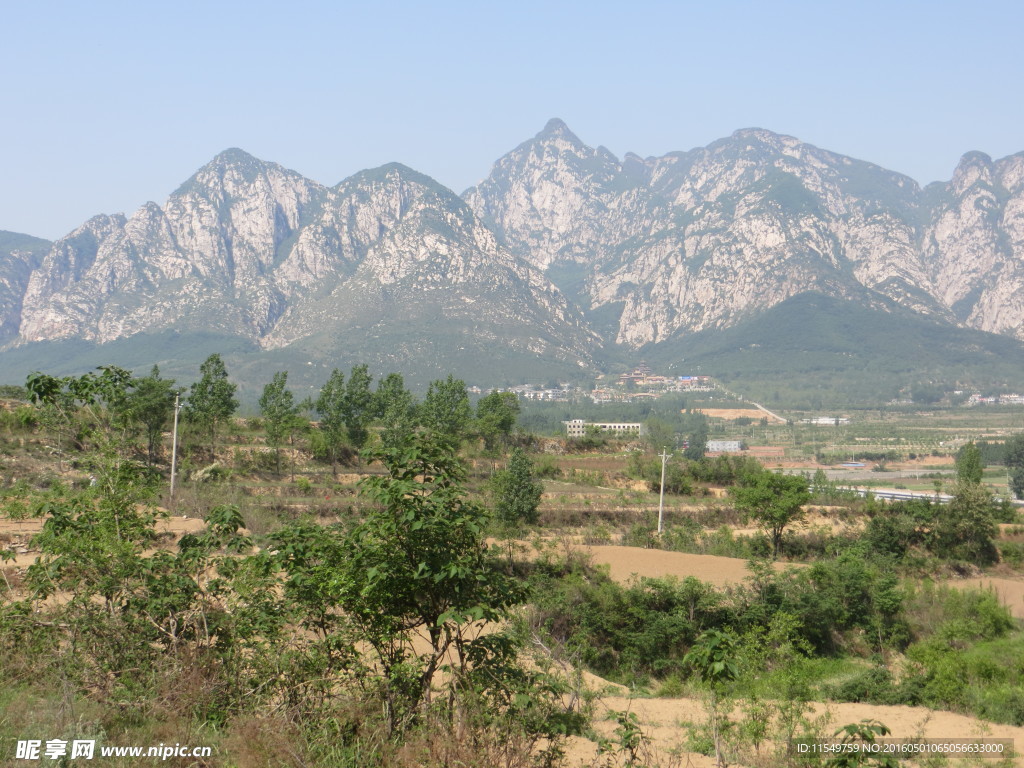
x: 703, y: 239
x: 563, y: 254
x: 250, y: 249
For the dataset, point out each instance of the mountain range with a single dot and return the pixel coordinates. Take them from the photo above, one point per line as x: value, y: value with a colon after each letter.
x: 564, y: 260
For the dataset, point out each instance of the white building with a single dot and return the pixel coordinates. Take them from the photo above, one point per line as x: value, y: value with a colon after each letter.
x: 724, y: 446
x: 578, y: 427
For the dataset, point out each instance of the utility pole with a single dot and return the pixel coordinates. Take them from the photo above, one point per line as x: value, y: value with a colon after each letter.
x: 174, y: 446
x: 661, y: 501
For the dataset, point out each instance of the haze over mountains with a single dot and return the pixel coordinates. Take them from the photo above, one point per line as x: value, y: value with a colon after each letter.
x: 563, y: 258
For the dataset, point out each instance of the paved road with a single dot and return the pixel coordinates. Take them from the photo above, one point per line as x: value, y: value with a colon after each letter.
x: 867, y: 474
x: 773, y: 415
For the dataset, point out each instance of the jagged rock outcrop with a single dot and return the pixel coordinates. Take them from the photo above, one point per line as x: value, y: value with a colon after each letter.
x: 702, y: 239
x: 974, y: 243
x: 203, y: 260
x: 391, y: 245
x: 646, y: 250
x: 20, y: 256
x: 250, y: 249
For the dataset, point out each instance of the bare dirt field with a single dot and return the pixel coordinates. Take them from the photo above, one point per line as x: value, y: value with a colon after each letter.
x: 625, y: 562
x: 739, y: 413
x: 1009, y: 591
x: 661, y: 720
x: 16, y: 534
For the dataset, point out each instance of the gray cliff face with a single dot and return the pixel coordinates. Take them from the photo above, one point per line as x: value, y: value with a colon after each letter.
x: 974, y: 243
x: 20, y: 256
x: 401, y: 246
x: 203, y: 260
x: 555, y: 199
x: 648, y: 249
x: 251, y: 249
x: 704, y: 238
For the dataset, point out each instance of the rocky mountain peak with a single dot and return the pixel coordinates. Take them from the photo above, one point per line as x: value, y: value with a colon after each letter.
x: 759, y: 135
x: 233, y: 156
x: 555, y: 128
x: 646, y: 250
x: 973, y: 168
x: 234, y: 170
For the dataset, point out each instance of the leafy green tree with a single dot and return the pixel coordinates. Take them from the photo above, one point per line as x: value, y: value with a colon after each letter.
x: 211, y: 400
x: 659, y: 435
x: 648, y: 468
x: 132, y: 606
x: 773, y: 501
x: 859, y: 735
x: 516, y: 491
x: 968, y: 464
x: 151, y: 404
x: 1017, y: 482
x: 91, y: 548
x: 419, y: 563
x: 1015, y: 463
x: 56, y: 405
x: 277, y: 406
x: 698, y: 442
x: 713, y: 659
x: 358, y: 405
x: 446, y: 410
x: 96, y: 398
x: 395, y: 407
x: 330, y: 406
x: 965, y: 529
x: 496, y: 415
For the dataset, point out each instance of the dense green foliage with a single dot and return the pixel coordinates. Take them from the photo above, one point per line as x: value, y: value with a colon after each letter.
x: 773, y: 501
x: 330, y: 406
x: 386, y: 632
x: 969, y: 467
x: 642, y: 630
x: 496, y: 415
x: 320, y: 628
x: 277, y: 407
x: 445, y: 410
x: 395, y: 407
x: 151, y: 403
x: 211, y: 400
x: 1014, y: 460
x: 516, y: 491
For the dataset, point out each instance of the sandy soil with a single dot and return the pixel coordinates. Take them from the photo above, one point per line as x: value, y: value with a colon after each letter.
x: 16, y: 534
x: 661, y: 721
x: 1010, y: 592
x: 625, y: 562
x: 738, y: 413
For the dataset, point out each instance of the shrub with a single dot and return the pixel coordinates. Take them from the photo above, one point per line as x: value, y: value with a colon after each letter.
x: 546, y: 467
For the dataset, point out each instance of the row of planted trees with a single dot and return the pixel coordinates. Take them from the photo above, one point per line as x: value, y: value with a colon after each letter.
x: 346, y: 408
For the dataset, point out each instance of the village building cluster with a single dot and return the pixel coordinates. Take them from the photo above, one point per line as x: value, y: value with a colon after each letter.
x: 1010, y: 399
x: 639, y: 384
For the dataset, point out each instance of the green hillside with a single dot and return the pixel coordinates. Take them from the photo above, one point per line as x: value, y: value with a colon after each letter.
x: 816, y: 350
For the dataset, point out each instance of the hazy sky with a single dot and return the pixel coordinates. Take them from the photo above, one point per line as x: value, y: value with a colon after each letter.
x: 106, y: 105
